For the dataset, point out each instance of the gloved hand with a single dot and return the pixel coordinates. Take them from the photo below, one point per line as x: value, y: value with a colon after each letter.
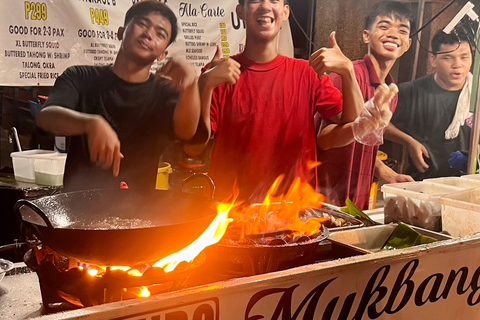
x: 375, y: 116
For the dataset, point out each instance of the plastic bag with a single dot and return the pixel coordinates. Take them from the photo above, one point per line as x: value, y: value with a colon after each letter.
x: 369, y: 125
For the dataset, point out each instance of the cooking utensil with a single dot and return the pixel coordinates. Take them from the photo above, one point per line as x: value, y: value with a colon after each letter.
x: 176, y: 218
x: 258, y: 259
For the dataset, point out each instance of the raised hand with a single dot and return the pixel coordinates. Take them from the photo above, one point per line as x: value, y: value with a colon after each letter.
x: 104, y: 145
x: 221, y: 70
x: 179, y: 72
x: 330, y: 59
x: 381, y: 99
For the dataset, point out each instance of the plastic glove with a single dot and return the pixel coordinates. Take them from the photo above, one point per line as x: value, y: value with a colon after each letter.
x: 375, y: 116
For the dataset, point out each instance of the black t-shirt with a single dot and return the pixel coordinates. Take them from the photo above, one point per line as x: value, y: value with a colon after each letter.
x: 140, y: 113
x: 424, y: 111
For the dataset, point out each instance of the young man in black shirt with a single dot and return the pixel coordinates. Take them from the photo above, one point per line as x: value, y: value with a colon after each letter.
x: 118, y: 117
x: 431, y: 114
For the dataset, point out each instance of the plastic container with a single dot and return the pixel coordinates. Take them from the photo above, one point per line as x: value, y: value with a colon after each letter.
x: 49, y: 168
x: 456, y: 182
x: 23, y: 164
x: 164, y: 170
x: 372, y: 239
x: 461, y: 212
x: 415, y: 203
x: 475, y: 177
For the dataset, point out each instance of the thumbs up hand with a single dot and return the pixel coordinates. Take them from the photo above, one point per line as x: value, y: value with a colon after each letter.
x: 221, y: 70
x: 330, y: 59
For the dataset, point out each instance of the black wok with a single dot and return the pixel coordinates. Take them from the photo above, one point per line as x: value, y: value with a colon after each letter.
x: 177, y: 219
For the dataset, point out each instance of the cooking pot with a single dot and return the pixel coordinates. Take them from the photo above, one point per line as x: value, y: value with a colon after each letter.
x: 151, y: 225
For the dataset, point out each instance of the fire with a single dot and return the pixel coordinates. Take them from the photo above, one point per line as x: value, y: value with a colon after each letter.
x: 281, y: 212
x: 210, y: 236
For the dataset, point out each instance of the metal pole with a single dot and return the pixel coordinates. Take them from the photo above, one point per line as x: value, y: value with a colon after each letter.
x: 474, y: 102
x: 420, y: 11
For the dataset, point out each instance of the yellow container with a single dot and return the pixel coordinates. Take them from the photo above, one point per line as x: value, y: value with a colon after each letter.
x: 164, y: 170
x: 374, y: 188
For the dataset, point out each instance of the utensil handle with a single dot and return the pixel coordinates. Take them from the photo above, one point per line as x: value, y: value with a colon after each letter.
x: 203, y: 176
x: 23, y: 202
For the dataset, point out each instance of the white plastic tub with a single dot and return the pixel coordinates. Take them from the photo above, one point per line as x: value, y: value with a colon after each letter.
x: 475, y: 177
x: 415, y: 203
x: 456, y: 182
x: 49, y: 168
x: 23, y: 164
x: 461, y: 212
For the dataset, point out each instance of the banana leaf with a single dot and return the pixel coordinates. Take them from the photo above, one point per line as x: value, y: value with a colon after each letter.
x: 403, y: 237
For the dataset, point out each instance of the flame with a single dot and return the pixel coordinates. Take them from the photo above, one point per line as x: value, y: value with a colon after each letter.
x: 282, y: 212
x: 210, y: 236
x: 141, y: 292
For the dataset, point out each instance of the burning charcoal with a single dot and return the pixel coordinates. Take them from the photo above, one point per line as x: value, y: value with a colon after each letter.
x: 247, y: 242
x: 276, y: 242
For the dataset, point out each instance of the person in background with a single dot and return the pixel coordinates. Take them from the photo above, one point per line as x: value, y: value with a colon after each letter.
x: 433, y: 111
x: 348, y: 167
x: 261, y: 106
x: 119, y: 116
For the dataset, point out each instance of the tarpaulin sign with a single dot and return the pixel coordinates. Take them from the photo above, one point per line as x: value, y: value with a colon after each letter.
x: 39, y: 40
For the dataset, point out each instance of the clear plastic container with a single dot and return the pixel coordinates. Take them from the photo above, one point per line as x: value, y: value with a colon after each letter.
x: 49, y: 169
x: 461, y: 212
x: 415, y: 203
x: 23, y: 164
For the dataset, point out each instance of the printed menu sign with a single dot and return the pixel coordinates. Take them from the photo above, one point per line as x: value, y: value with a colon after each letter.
x: 41, y: 39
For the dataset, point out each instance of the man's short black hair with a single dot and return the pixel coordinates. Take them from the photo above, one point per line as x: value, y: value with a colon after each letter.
x: 144, y: 7
x: 242, y: 2
x: 389, y: 8
x: 453, y: 37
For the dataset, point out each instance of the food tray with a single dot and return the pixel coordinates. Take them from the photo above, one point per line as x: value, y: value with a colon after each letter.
x: 371, y: 239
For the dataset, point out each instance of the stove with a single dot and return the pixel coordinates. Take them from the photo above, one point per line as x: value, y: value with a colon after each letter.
x: 67, y: 281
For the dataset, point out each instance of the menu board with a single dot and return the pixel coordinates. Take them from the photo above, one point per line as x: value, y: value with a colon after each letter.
x: 41, y: 39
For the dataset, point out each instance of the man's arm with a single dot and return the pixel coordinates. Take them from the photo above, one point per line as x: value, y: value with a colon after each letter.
x: 334, y: 135
x: 182, y: 76
x: 103, y: 141
x: 385, y: 173
x: 220, y: 71
x: 333, y: 60
x: 415, y: 149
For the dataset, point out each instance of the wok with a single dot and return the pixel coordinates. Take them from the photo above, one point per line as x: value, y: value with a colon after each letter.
x: 66, y: 223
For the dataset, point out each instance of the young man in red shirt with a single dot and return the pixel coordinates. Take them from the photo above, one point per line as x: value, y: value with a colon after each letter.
x: 348, y: 171
x: 261, y: 106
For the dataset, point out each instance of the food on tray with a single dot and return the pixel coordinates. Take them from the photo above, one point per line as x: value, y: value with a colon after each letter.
x: 403, y: 237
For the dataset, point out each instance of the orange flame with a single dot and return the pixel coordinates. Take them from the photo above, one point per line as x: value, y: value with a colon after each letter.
x: 210, y: 236
x: 282, y: 212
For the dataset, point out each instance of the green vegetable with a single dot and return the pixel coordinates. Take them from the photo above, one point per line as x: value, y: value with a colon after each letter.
x: 355, y: 211
x: 403, y: 237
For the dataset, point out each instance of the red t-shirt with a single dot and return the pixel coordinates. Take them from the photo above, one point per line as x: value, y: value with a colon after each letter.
x: 264, y: 124
x: 348, y: 171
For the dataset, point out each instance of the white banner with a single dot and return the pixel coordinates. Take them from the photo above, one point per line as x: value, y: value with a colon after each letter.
x: 39, y: 40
